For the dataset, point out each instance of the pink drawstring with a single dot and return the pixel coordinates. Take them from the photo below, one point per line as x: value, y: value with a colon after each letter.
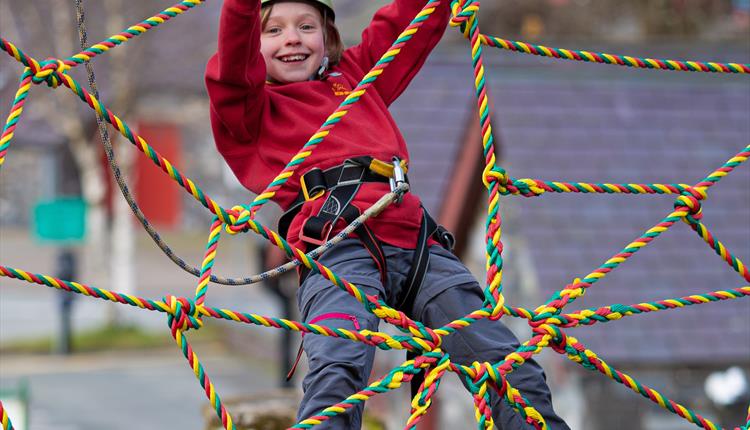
x: 328, y: 316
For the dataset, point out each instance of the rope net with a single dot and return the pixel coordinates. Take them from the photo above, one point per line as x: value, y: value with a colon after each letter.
x: 548, y: 321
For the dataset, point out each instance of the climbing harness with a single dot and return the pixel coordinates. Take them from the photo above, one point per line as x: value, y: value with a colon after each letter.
x: 547, y: 321
x: 341, y: 184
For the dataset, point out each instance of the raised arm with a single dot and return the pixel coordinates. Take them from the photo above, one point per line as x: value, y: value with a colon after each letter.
x: 235, y: 75
x: 385, y: 27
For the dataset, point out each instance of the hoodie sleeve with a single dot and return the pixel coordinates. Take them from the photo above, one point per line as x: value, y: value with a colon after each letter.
x: 386, y: 25
x: 235, y: 75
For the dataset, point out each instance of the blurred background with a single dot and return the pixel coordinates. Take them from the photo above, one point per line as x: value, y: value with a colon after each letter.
x: 78, y: 363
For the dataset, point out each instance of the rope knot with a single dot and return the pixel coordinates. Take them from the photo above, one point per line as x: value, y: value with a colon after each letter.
x: 48, y: 72
x: 477, y: 377
x: 463, y: 11
x: 485, y: 372
x: 692, y: 203
x: 495, y: 174
x: 183, y: 314
x: 559, y: 339
x: 239, y: 216
x: 528, y: 187
x: 556, y: 335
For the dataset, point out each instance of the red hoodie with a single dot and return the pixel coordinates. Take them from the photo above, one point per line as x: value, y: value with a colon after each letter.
x: 258, y: 127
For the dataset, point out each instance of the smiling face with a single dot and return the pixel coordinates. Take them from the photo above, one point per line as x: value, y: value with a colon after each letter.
x: 292, y: 42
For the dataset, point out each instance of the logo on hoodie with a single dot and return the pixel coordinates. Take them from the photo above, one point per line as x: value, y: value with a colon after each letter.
x: 340, y: 89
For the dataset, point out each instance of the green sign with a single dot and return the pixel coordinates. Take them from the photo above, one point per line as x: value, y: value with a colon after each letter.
x: 60, y: 220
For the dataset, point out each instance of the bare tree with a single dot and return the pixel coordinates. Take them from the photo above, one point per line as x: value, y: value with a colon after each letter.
x: 109, y: 245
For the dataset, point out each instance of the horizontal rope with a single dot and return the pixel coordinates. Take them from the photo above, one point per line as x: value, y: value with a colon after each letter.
x: 546, y: 321
x: 614, y: 59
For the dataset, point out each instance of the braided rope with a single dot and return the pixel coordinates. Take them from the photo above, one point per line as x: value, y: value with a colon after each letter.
x: 576, y: 352
x: 478, y: 387
x: 464, y: 16
x: 374, y: 338
x: 15, y: 114
x: 618, y: 311
x: 429, y: 386
x: 547, y: 320
x: 4, y: 418
x: 135, y: 30
x: 617, y: 60
x: 392, y: 380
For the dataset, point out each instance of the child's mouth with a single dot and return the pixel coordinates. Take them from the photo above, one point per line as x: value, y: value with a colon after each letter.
x: 296, y: 58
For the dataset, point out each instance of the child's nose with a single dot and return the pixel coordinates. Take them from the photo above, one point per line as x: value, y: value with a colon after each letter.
x: 293, y: 38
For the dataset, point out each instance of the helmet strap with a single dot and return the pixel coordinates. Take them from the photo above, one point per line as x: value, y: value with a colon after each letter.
x: 323, y: 66
x: 324, y: 63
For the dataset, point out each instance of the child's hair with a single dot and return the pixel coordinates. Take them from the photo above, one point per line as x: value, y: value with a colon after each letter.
x: 334, y: 45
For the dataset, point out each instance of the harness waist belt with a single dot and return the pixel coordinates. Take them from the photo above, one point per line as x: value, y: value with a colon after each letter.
x: 343, y: 181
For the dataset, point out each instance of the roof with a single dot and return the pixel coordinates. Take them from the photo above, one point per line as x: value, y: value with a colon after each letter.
x: 561, y: 121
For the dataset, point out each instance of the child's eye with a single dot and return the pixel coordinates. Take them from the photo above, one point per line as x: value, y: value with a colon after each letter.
x: 273, y: 30
x: 307, y: 27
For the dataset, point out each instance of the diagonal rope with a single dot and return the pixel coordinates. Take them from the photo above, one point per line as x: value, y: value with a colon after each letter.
x: 85, y: 56
x: 4, y: 418
x: 547, y: 321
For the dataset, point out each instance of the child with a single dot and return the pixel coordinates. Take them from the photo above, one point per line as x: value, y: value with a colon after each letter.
x: 280, y: 70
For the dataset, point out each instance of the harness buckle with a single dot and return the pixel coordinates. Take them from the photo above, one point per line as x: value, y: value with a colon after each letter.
x: 317, y: 191
x: 397, y: 178
x: 351, y: 173
x: 306, y: 236
x: 445, y: 238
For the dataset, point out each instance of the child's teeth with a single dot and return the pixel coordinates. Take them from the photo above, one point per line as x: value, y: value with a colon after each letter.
x: 294, y: 58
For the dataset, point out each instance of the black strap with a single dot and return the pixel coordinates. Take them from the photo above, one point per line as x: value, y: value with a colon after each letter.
x: 418, y: 267
x: 354, y: 170
x: 414, y: 280
x: 369, y: 241
x: 317, y: 228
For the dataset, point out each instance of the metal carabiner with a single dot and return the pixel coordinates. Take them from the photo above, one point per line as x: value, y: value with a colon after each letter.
x: 397, y: 178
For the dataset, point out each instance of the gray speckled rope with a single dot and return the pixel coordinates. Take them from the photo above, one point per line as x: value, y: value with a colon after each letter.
x: 104, y: 134
x: 374, y: 210
x: 378, y: 207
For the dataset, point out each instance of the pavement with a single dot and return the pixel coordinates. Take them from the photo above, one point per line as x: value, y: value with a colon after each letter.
x: 119, y: 391
x: 154, y: 389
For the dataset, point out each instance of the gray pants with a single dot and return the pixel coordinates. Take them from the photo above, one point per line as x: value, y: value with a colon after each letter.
x: 339, y: 368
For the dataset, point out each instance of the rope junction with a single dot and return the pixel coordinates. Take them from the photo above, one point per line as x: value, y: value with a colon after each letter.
x: 547, y: 321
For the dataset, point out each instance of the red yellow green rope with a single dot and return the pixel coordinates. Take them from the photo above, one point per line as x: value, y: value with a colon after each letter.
x: 547, y: 321
x: 378, y: 339
x: 617, y: 60
x: 576, y: 352
x: 131, y: 32
x: 15, y: 113
x: 4, y: 418
x: 618, y: 311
